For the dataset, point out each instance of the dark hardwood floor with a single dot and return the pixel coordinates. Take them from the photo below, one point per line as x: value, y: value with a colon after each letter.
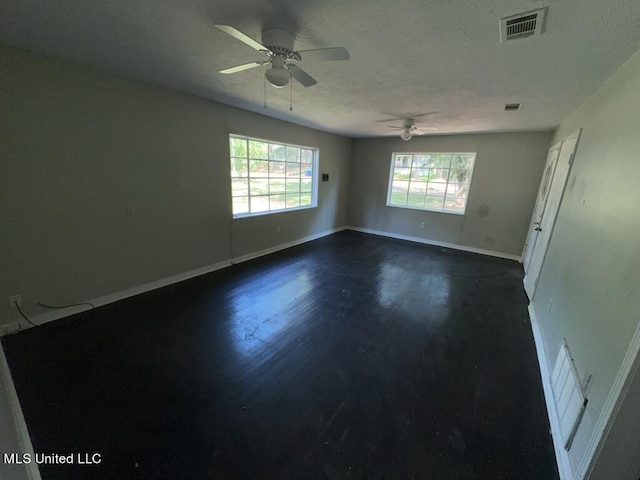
x: 349, y: 357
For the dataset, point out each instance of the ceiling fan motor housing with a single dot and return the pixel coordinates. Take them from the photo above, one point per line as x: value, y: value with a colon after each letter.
x: 279, y: 42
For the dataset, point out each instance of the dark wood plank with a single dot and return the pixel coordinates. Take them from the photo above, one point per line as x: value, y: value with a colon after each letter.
x: 352, y: 356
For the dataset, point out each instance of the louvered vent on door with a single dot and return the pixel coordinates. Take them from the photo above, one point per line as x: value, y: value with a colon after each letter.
x: 569, y: 396
x: 521, y: 25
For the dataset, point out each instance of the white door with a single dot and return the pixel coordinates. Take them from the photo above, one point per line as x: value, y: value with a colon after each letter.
x: 558, y: 182
x: 541, y: 203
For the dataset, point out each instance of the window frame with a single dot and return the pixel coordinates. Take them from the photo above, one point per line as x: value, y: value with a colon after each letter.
x: 315, y: 152
x: 424, y: 208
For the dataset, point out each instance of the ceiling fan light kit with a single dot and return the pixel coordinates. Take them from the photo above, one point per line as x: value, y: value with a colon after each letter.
x: 278, y: 75
x: 406, y: 134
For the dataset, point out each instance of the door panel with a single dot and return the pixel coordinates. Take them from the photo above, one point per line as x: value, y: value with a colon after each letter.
x: 541, y: 203
x: 556, y: 190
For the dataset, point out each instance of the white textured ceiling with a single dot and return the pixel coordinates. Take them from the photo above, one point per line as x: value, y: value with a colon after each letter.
x: 407, y: 56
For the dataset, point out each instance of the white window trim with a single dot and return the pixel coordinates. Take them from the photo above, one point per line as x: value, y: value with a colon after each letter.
x: 424, y: 209
x: 314, y: 177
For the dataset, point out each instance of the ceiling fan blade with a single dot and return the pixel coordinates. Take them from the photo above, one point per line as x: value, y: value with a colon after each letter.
x: 334, y: 53
x: 301, y: 76
x: 394, y: 119
x: 240, y: 68
x: 400, y: 118
x: 237, y: 34
x: 420, y: 132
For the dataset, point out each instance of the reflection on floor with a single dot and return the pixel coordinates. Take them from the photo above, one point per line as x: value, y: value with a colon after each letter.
x: 352, y: 356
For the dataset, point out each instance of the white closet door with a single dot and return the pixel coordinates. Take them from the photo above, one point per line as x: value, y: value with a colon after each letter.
x: 556, y: 190
x: 541, y: 203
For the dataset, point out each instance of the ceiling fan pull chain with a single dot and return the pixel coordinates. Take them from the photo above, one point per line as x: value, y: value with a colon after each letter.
x: 265, y: 91
x: 290, y: 93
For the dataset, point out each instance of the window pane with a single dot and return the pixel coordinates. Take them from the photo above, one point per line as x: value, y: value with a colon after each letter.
x: 239, y: 167
x: 259, y: 186
x: 258, y: 149
x: 418, y: 188
x: 403, y: 161
x: 435, y: 188
x: 306, y: 185
x: 306, y: 156
x: 293, y: 154
x: 433, y: 201
x: 307, y: 169
x: 238, y: 147
x: 276, y: 169
x: 441, y: 161
x: 424, y: 174
x: 258, y: 168
x: 400, y: 186
x: 454, y: 204
x: 293, y: 169
x: 240, y: 205
x: 401, y: 173
x: 276, y: 186
x: 462, y: 161
x: 293, y: 200
x: 458, y: 191
x: 259, y: 204
x: 421, y: 161
x: 459, y: 175
x: 415, y: 201
x: 420, y: 173
x: 277, y: 152
x: 305, y: 199
x: 239, y: 187
x: 398, y: 198
x: 277, y: 202
x: 293, y: 186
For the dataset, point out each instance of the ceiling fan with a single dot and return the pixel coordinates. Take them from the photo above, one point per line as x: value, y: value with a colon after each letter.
x: 409, y: 128
x: 278, y: 47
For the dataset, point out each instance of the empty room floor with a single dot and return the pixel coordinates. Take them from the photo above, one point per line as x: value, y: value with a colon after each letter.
x: 349, y: 357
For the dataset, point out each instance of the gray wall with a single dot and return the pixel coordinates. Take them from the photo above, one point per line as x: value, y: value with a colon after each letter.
x: 503, y: 189
x: 79, y: 146
x: 592, y: 267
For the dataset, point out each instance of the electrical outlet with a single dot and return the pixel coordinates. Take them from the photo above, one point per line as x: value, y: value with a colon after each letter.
x: 278, y: 229
x: 421, y: 224
x: 15, y: 300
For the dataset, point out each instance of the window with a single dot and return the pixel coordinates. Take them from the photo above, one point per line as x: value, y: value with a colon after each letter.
x: 431, y: 181
x: 271, y: 177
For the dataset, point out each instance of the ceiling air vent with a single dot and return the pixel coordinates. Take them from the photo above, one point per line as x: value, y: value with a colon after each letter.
x: 511, y: 107
x: 521, y: 25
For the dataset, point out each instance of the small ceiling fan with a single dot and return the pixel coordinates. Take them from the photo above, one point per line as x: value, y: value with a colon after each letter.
x: 409, y: 128
x: 278, y: 47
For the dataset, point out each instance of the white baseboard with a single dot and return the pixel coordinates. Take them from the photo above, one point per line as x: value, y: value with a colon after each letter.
x: 436, y: 243
x: 28, y: 471
x: 562, y: 458
x: 46, y: 317
x: 283, y: 246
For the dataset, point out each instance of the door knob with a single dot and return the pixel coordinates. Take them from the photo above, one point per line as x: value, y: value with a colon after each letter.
x: 538, y: 229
